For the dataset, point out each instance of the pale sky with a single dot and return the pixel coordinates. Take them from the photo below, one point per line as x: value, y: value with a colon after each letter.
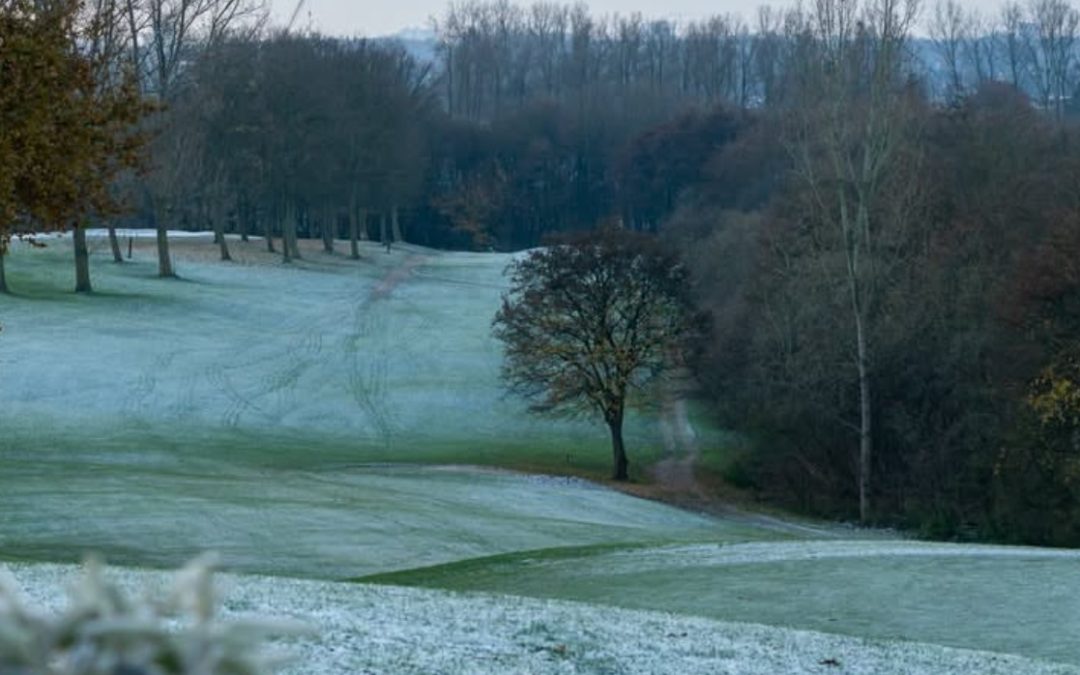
x: 384, y: 17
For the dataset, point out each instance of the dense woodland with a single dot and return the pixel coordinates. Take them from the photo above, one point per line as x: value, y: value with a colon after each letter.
x: 880, y: 206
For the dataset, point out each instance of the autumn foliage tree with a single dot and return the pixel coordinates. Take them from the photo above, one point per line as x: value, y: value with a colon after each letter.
x: 67, y: 123
x: 589, y: 322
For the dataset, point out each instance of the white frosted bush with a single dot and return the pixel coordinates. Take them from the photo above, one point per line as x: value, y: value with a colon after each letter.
x: 106, y: 631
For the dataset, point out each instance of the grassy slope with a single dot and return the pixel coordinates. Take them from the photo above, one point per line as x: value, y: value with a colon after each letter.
x: 1012, y: 600
x: 248, y: 408
x: 326, y: 350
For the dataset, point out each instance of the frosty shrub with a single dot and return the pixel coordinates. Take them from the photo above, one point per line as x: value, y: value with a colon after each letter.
x: 105, y: 631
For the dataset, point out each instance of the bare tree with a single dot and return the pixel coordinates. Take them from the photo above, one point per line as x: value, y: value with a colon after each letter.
x: 165, y: 36
x: 845, y: 148
x: 947, y: 30
x: 1051, y: 46
x: 981, y: 46
x: 1011, y: 38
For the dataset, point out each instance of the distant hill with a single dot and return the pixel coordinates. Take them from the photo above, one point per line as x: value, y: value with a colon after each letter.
x: 420, y: 42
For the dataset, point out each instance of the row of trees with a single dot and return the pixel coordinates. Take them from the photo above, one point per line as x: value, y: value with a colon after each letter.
x: 893, y: 290
x: 1031, y: 46
x: 531, y: 120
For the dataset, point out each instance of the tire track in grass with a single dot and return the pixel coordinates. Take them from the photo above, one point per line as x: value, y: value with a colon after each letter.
x: 238, y: 403
x: 146, y: 382
x: 368, y: 384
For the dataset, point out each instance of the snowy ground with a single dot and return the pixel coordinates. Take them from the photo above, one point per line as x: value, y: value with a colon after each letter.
x: 252, y: 409
x: 1009, y: 599
x: 386, y: 359
x: 370, y: 629
x: 265, y: 411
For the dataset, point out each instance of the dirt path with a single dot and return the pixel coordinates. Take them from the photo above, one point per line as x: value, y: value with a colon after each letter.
x: 675, y: 478
x: 395, y: 277
x: 676, y: 473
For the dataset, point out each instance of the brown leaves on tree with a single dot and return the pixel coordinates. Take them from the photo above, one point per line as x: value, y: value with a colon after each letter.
x: 592, y: 320
x: 67, y: 119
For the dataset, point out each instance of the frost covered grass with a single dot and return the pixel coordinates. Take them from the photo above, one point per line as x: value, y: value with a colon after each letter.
x: 289, y: 417
x: 361, y: 360
x: 336, y: 523
x: 246, y: 408
x: 371, y: 629
x: 1008, y: 599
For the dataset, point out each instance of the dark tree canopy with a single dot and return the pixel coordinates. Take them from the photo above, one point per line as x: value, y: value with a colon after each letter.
x: 591, y: 321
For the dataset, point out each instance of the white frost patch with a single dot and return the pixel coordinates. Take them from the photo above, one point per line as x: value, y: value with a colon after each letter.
x: 124, y: 233
x: 707, y: 555
x: 149, y: 233
x: 372, y: 629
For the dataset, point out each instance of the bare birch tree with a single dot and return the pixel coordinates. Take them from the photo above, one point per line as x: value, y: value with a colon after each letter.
x: 845, y: 149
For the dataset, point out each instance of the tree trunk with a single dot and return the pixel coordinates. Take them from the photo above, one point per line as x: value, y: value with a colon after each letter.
x: 289, y: 240
x: 286, y: 251
x: 354, y: 235
x: 865, y: 420
x: 165, y: 268
x: 618, y: 449
x: 395, y: 225
x: 114, y: 244
x: 3, y: 274
x: 82, y: 259
x: 328, y: 229
x: 243, y: 219
x: 384, y: 236
x: 268, y: 233
x: 219, y: 234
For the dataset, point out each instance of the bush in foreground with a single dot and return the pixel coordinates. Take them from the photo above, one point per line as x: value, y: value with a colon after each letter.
x: 105, y: 631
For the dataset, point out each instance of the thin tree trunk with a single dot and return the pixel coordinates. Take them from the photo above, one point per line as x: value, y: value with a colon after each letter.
x: 219, y: 234
x: 114, y: 244
x: 289, y: 240
x: 268, y: 233
x: 3, y: 274
x: 354, y: 234
x: 384, y: 236
x: 82, y: 259
x: 328, y: 229
x: 243, y: 219
x: 165, y: 268
x: 618, y: 449
x: 395, y: 225
x: 865, y: 421
x: 286, y: 250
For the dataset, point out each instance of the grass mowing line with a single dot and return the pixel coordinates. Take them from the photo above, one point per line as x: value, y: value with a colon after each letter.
x: 1011, y: 600
x: 330, y: 522
x: 444, y: 575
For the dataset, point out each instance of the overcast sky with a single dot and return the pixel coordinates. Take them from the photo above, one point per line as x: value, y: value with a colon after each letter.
x: 385, y: 17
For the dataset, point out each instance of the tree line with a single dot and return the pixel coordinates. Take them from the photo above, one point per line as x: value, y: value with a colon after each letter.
x: 531, y: 120
x: 893, y: 287
x: 882, y: 226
